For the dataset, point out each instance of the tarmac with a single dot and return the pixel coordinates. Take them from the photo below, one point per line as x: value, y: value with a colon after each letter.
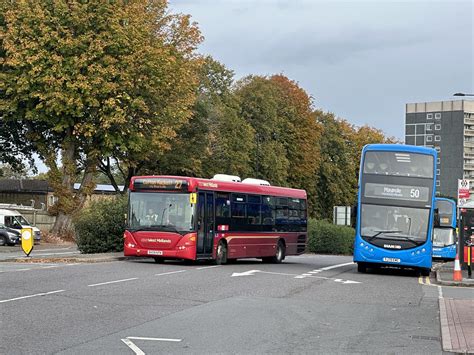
x: 456, y: 315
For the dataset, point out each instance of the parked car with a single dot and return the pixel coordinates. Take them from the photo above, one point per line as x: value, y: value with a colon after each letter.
x: 8, y: 236
x: 14, y: 220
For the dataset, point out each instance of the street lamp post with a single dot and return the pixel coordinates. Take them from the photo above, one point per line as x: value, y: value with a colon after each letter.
x: 460, y: 234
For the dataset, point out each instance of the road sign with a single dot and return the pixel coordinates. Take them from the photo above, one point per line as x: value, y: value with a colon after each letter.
x: 463, y: 189
x: 27, y: 240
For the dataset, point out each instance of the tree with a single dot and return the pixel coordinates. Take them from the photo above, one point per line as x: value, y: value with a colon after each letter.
x: 286, y: 132
x: 94, y: 80
x: 216, y: 139
x: 335, y: 182
x: 8, y: 172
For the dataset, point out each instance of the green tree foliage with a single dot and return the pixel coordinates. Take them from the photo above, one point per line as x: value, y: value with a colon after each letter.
x: 337, y: 177
x: 8, y: 172
x: 94, y: 80
x: 216, y: 139
x: 336, y: 183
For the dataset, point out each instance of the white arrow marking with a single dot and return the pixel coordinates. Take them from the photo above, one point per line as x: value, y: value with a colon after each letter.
x: 246, y: 273
x: 253, y: 272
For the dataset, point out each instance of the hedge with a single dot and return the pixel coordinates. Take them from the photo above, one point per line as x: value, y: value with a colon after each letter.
x: 100, y: 227
x: 327, y: 238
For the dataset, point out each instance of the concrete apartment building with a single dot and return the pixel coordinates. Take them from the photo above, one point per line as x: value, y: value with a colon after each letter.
x: 448, y: 126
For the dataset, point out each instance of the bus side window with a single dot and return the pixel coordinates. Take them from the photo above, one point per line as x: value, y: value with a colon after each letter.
x: 222, y: 209
x: 268, y: 213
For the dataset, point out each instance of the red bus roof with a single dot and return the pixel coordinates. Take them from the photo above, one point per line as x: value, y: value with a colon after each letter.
x: 216, y: 185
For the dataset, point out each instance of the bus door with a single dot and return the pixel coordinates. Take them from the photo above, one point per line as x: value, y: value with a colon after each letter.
x: 205, y: 237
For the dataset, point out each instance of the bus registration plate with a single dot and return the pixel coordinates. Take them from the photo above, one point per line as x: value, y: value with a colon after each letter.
x: 391, y: 260
x: 155, y: 252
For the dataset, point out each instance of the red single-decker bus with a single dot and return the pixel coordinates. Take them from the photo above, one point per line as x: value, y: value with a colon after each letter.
x: 173, y: 217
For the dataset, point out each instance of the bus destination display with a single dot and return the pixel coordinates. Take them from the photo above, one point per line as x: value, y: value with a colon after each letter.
x: 160, y: 184
x: 397, y: 192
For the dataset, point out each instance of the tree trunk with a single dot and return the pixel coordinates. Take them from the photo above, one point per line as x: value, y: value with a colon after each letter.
x: 63, y: 227
x: 71, y: 202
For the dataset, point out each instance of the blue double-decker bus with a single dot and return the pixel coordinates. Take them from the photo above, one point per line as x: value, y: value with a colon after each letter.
x: 444, y: 234
x: 395, y: 207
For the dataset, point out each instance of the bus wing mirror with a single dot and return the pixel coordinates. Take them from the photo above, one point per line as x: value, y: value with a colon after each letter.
x: 353, y: 216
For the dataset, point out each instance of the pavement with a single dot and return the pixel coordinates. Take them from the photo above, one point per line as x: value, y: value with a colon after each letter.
x: 456, y: 315
x: 444, y: 276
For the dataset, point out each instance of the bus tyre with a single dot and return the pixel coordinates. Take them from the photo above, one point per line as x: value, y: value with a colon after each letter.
x: 221, y: 254
x: 425, y: 272
x: 361, y: 267
x: 279, y: 253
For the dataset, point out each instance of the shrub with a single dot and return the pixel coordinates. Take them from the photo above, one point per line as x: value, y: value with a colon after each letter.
x: 327, y: 238
x: 100, y: 227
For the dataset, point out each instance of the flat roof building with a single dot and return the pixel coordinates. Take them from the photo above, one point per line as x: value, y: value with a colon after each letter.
x: 448, y: 126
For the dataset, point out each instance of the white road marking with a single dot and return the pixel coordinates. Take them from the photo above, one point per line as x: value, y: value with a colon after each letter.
x: 440, y: 292
x: 139, y: 351
x: 207, y: 267
x: 334, y: 266
x: 29, y: 296
x: 133, y: 347
x: 296, y: 276
x: 317, y: 271
x: 113, y: 282
x: 245, y: 273
x: 169, y: 273
x: 155, y: 339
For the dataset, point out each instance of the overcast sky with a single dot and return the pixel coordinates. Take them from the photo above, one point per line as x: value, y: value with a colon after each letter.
x: 362, y: 60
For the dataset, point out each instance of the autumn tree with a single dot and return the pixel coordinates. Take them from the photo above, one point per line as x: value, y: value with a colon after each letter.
x: 216, y: 139
x: 286, y: 132
x: 95, y: 80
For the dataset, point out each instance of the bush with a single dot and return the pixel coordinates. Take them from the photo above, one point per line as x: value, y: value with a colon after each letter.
x: 100, y: 227
x: 327, y: 238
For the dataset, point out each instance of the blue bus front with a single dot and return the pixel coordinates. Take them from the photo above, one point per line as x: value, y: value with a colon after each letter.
x: 395, y: 207
x: 444, y: 235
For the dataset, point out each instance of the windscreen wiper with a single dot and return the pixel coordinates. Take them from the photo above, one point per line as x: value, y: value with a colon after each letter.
x: 413, y: 241
x: 380, y: 232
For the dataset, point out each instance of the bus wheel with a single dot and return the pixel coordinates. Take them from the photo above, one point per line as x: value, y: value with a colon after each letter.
x: 425, y: 272
x: 221, y: 257
x: 361, y: 267
x: 279, y: 254
x: 159, y: 260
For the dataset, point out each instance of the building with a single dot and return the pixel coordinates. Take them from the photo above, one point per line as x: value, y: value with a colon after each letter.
x: 448, y: 126
x: 27, y: 192
x: 39, y: 194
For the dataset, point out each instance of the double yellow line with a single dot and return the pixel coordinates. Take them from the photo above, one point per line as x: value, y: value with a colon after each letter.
x: 424, y: 280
